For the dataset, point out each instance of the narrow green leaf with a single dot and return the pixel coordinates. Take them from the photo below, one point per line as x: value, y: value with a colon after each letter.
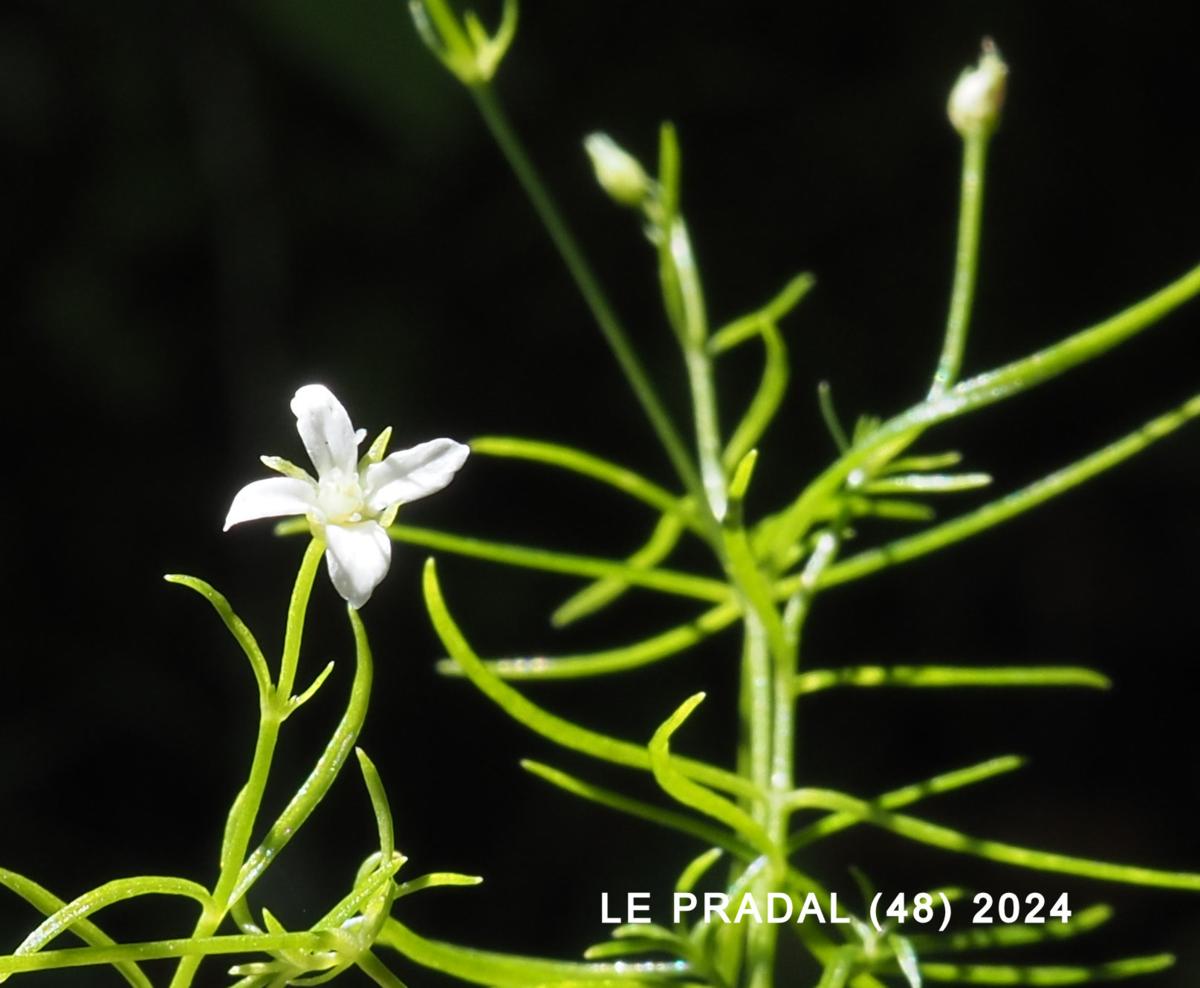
x: 512, y: 970
x: 830, y: 417
x: 927, y: 483
x: 379, y: 803
x: 666, y: 581
x: 884, y: 443
x: 437, y: 879
x: 118, y: 890
x: 586, y: 464
x: 377, y: 971
x: 748, y: 326
x: 48, y: 904
x: 952, y: 840
x: 548, y: 725
x: 296, y: 702
x: 628, y: 948
x: 767, y: 398
x: 1017, y: 935
x: 672, y: 820
x: 235, y: 624
x: 1001, y: 510
x: 893, y: 508
x: 996, y: 974
x: 697, y: 868
x: 677, y: 785
x: 649, y: 650
x: 246, y: 943
x: 923, y: 464
x: 600, y: 593
x: 906, y: 796
x: 936, y: 677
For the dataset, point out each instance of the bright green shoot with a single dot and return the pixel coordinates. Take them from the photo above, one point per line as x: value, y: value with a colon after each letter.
x: 747, y: 831
x: 772, y: 571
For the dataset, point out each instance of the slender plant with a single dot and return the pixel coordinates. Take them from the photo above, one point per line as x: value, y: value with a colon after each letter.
x: 741, y: 845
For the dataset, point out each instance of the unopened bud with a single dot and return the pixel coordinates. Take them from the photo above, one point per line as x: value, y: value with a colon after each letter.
x: 975, y: 101
x: 617, y: 171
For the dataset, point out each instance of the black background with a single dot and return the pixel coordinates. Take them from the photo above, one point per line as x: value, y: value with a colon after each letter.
x: 209, y: 204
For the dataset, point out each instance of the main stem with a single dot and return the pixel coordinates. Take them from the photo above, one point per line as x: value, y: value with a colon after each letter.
x: 239, y: 828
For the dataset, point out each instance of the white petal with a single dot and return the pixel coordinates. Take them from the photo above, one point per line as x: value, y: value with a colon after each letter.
x: 413, y: 473
x: 326, y: 430
x: 271, y: 499
x: 358, y: 559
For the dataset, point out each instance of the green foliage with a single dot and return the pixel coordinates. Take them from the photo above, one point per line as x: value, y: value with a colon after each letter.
x: 736, y: 825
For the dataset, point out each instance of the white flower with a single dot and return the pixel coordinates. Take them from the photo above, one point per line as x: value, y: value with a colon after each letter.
x: 352, y: 501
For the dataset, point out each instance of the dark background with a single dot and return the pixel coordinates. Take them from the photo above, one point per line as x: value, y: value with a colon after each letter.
x: 209, y: 204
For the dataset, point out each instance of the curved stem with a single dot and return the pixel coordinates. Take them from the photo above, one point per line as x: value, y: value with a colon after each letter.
x: 966, y: 263
x: 273, y: 709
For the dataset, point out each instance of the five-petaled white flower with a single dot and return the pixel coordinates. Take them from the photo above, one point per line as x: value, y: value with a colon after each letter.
x: 352, y: 501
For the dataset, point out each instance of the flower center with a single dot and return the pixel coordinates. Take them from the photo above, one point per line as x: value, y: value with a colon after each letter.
x: 340, y: 498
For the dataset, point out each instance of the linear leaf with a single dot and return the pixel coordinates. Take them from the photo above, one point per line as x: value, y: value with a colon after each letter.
x: 604, y: 591
x: 1001, y: 510
x: 48, y: 903
x: 512, y: 970
x: 671, y: 819
x: 661, y: 646
x: 586, y: 464
x: 927, y: 483
x: 165, y: 949
x: 555, y: 728
x: 237, y: 627
x: 996, y: 974
x: 766, y: 400
x: 437, y: 879
x: 907, y: 795
x: 667, y: 581
x: 1017, y: 935
x: 952, y: 840
x: 118, y: 890
x: 937, y: 677
x: 676, y: 784
x: 883, y: 443
x: 747, y: 327
x: 697, y: 868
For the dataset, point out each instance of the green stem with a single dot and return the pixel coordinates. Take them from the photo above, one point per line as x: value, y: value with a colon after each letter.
x: 980, y: 391
x: 966, y: 263
x: 588, y: 285
x: 273, y: 709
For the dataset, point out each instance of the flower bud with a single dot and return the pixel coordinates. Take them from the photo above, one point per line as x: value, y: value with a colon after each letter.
x: 975, y: 101
x: 617, y: 171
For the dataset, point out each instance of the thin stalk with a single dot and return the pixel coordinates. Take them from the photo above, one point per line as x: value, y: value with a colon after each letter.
x: 681, y: 275
x: 966, y: 263
x: 242, y: 816
x: 588, y: 285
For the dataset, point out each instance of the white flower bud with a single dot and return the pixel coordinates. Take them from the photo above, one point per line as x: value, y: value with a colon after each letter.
x: 975, y: 101
x: 617, y: 171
